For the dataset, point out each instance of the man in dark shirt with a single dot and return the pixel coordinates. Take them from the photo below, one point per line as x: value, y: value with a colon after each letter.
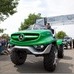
x: 73, y: 43
x: 48, y: 26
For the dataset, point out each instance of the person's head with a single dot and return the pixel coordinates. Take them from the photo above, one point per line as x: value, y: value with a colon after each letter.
x: 48, y: 26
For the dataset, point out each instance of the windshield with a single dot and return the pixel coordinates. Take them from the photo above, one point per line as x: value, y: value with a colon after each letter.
x: 38, y: 25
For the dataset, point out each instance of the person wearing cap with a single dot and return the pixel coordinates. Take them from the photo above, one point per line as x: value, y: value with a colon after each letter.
x: 48, y: 26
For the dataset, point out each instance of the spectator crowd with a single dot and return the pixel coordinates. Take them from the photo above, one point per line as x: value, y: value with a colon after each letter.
x: 3, y: 46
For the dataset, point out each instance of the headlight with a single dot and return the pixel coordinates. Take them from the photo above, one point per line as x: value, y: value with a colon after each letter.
x: 39, y: 46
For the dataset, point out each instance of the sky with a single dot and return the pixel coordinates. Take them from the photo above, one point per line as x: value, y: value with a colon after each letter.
x: 47, y: 8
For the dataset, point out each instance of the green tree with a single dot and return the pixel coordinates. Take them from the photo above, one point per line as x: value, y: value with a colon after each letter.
x: 5, y: 36
x: 61, y: 35
x: 29, y: 21
x: 1, y: 30
x: 7, y: 8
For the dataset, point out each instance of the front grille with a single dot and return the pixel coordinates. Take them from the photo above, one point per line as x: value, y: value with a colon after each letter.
x: 27, y: 36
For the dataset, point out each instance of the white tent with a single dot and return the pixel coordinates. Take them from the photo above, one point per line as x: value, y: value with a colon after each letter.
x: 69, y: 29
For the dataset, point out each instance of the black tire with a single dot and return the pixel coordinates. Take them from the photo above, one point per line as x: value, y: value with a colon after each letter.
x: 66, y: 46
x: 60, y: 51
x: 18, y: 57
x: 49, y: 59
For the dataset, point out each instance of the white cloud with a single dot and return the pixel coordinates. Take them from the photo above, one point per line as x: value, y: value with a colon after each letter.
x: 58, y: 7
x: 46, y: 7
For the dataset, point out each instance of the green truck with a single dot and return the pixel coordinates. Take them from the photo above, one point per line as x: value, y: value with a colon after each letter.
x: 39, y: 42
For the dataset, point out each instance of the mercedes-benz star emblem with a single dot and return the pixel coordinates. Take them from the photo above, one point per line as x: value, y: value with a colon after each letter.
x: 21, y: 37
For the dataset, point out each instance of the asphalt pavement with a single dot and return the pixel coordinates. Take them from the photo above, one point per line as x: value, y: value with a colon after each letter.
x: 35, y: 64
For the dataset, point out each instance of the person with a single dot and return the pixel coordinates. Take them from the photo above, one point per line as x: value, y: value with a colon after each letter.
x: 3, y: 46
x: 73, y: 43
x: 48, y: 26
x: 70, y: 43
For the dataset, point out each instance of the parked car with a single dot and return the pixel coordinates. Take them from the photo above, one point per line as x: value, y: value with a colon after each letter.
x: 67, y: 42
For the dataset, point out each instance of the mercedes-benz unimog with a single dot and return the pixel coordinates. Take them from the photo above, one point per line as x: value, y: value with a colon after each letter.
x: 37, y: 41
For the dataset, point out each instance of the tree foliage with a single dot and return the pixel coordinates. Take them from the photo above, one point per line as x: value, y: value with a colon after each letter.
x: 29, y: 21
x: 61, y: 35
x: 1, y: 30
x: 7, y: 7
x: 5, y: 36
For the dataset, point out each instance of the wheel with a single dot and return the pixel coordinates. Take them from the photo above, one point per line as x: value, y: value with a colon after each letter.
x: 18, y: 57
x: 60, y: 51
x: 66, y: 46
x: 50, y: 60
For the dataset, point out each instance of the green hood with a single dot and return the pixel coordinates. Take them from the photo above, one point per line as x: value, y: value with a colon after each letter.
x: 31, y: 37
